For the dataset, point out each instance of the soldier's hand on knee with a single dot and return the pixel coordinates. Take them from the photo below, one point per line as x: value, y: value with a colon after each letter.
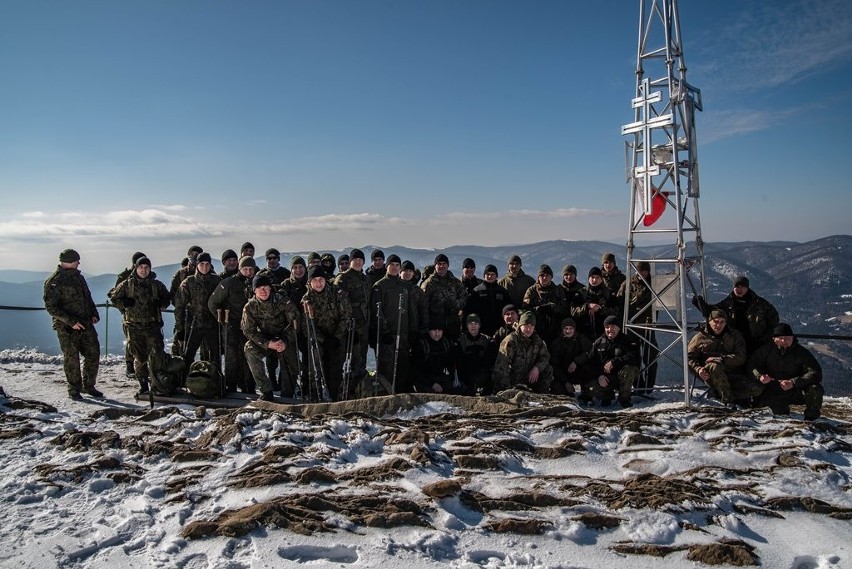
x: 603, y: 381
x: 786, y: 384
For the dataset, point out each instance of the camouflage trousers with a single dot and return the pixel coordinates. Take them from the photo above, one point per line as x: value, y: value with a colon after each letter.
x: 143, y: 341
x: 779, y: 401
x: 74, y: 344
x: 258, y: 360
x: 621, y: 381
x: 731, y: 387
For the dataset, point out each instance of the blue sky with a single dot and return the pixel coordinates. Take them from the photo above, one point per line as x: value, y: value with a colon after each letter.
x: 329, y: 124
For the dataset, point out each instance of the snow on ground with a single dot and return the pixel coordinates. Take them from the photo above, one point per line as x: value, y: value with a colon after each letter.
x: 113, y: 484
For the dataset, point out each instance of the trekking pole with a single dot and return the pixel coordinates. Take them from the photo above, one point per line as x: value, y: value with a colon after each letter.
x: 187, y: 337
x: 347, y: 362
x: 222, y: 318
x: 314, y: 352
x: 400, y: 311
x: 379, y: 318
x: 298, y: 391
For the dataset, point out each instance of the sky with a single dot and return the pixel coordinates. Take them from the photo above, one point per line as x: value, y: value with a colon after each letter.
x: 101, y: 484
x: 303, y: 126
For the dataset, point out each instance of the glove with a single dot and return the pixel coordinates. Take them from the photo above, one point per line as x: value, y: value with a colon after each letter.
x: 699, y: 303
x: 128, y: 302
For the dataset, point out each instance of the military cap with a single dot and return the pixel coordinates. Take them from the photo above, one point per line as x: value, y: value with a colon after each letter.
x: 229, y: 254
x: 527, y: 318
x: 297, y: 260
x: 490, y: 269
x: 203, y: 258
x: 259, y: 280
x: 69, y: 256
x: 272, y: 252
x: 136, y: 256
x: 441, y: 258
x: 247, y: 261
x: 316, y: 271
x: 545, y: 270
x: 595, y: 271
x: 143, y: 261
x: 408, y: 266
x: 246, y: 245
x: 468, y: 263
x: 607, y: 257
x: 515, y: 259
x: 569, y: 269
x: 313, y: 256
x: 782, y: 329
x: 394, y: 258
x: 717, y: 313
x: 569, y: 322
x: 356, y: 254
x: 194, y: 249
x: 741, y: 280
x: 377, y: 254
x: 612, y: 319
x: 473, y: 318
x: 508, y: 308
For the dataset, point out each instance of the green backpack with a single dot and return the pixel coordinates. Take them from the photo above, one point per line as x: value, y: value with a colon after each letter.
x: 166, y: 372
x: 204, y: 380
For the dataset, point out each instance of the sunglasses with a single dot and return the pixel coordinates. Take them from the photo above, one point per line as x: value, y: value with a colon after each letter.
x: 272, y: 258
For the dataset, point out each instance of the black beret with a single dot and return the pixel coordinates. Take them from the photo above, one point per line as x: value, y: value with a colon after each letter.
x: 509, y: 308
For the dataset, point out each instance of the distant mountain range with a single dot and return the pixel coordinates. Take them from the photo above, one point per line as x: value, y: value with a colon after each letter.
x: 809, y: 283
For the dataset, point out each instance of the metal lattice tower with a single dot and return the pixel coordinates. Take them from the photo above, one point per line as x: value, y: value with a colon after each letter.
x: 662, y: 171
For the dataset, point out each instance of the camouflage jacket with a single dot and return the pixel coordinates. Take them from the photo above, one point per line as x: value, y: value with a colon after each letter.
x: 589, y: 324
x: 143, y: 300
x: 613, y: 279
x: 264, y: 320
x: 356, y: 287
x: 232, y: 294
x: 550, y: 308
x: 517, y: 286
x: 331, y: 313
x: 639, y: 308
x: 752, y: 315
x: 796, y: 363
x: 516, y: 357
x: 178, y: 278
x: 387, y: 292
x: 294, y: 289
x: 729, y: 345
x: 194, y: 294
x: 68, y: 299
x: 445, y: 299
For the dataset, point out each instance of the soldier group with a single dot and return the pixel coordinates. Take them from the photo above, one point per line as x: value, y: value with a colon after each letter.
x: 306, y: 331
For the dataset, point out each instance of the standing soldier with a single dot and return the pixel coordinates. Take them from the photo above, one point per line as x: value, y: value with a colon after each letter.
x: 487, y: 301
x: 516, y: 281
x: 267, y: 324
x: 230, y: 264
x: 273, y: 269
x: 296, y: 286
x: 469, y: 278
x: 377, y: 268
x: 393, y: 317
x: 595, y: 304
x: 128, y: 357
x: 202, y: 328
x: 613, y: 278
x: 247, y: 250
x: 640, y: 311
x: 343, y: 263
x: 180, y: 316
x: 143, y: 298
x: 353, y: 283
x: 547, y: 301
x: 231, y: 295
x: 408, y: 274
x: 69, y: 302
x: 331, y: 314
x: 328, y: 264
x: 445, y: 297
x: 523, y: 359
x: 571, y: 285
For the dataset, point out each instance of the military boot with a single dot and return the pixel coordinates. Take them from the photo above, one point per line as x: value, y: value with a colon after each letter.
x: 143, y: 386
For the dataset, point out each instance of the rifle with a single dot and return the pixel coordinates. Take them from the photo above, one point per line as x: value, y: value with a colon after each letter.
x: 347, y: 363
x: 315, y: 362
x: 400, y: 310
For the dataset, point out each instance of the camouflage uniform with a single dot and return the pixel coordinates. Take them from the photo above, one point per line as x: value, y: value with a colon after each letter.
x: 143, y: 301
x: 516, y: 357
x: 232, y: 294
x: 128, y: 357
x: 354, y: 284
x: 68, y: 300
x: 727, y: 377
x: 202, y: 327
x: 623, y: 352
x: 550, y: 307
x: 613, y: 279
x: 180, y: 315
x: 639, y: 311
x: 752, y: 315
x: 387, y: 292
x: 797, y: 364
x: 517, y: 286
x: 446, y: 298
x: 592, y: 324
x: 267, y: 320
x: 331, y: 320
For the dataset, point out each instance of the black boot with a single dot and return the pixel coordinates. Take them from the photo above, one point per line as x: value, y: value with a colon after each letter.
x: 267, y: 396
x: 143, y: 386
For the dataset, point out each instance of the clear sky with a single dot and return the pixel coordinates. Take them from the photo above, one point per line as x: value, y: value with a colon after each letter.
x: 311, y: 125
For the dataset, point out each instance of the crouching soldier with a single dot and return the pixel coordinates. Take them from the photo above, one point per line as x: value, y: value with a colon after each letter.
x: 523, y: 359
x: 570, y: 358
x: 267, y: 324
x: 717, y: 354
x: 790, y: 374
x: 615, y: 360
x: 434, y: 368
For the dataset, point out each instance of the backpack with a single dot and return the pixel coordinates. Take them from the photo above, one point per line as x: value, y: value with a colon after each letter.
x: 166, y: 371
x: 204, y: 380
x: 366, y: 387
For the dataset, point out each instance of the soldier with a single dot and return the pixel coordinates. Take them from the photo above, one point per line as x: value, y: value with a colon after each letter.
x: 474, y: 355
x: 790, y: 373
x: 596, y: 303
x: 273, y: 269
x: 377, y: 267
x: 343, y: 263
x: 328, y: 264
x: 639, y: 298
x: 247, y: 250
x: 469, y: 278
x: 128, y: 357
x: 571, y: 285
x: 613, y: 278
x: 230, y: 264
x: 68, y: 300
x: 143, y: 298
x: 409, y: 276
x: 267, y: 324
x: 614, y: 359
x: 523, y: 359
x: 510, y: 320
x: 232, y: 294
x: 393, y: 315
x: 314, y: 259
x: 548, y: 302
x: 445, y: 297
x: 433, y: 367
x: 297, y: 285
x: 331, y: 315
x: 487, y: 301
x: 516, y: 281
x: 202, y: 328
x: 353, y: 283
x: 752, y: 315
x: 717, y: 354
x: 569, y: 356
x: 180, y: 316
